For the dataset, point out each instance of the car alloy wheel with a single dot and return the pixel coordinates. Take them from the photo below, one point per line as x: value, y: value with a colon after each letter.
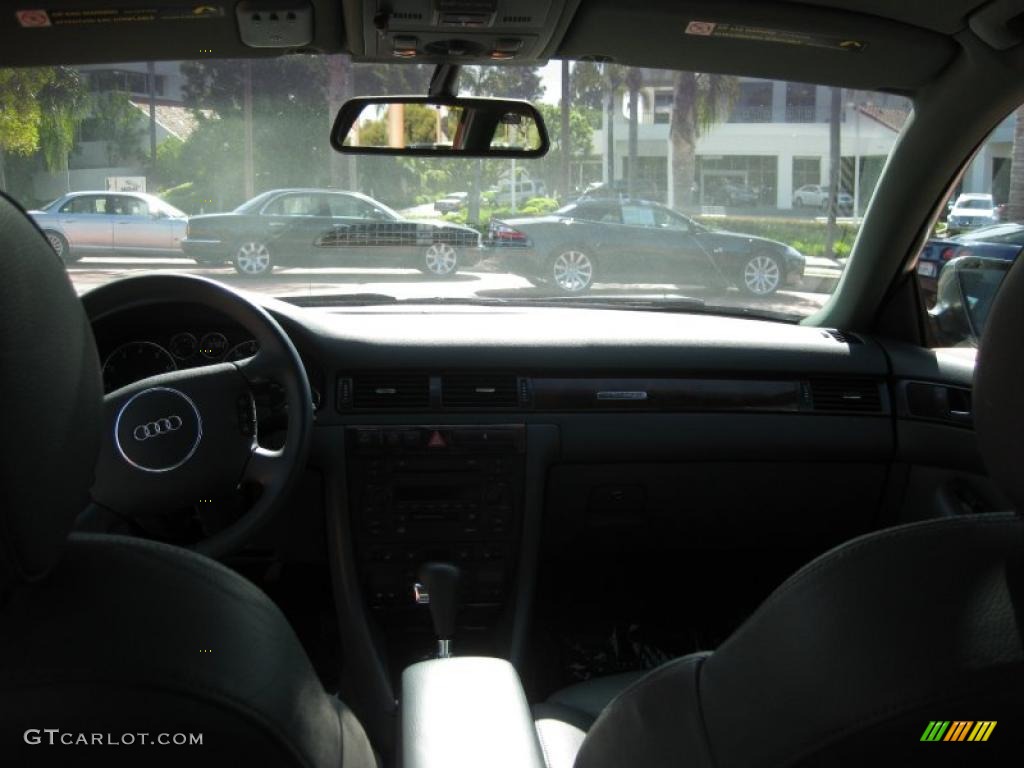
x: 441, y: 260
x: 762, y: 274
x: 60, y: 246
x: 252, y: 258
x: 573, y: 271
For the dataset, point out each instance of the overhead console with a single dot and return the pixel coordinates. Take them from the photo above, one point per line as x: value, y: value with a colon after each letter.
x: 471, y: 31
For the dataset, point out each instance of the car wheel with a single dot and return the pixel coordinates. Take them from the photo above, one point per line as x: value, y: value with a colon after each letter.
x: 572, y: 271
x: 60, y: 246
x: 798, y: 203
x: 252, y: 259
x: 440, y: 260
x: 762, y: 274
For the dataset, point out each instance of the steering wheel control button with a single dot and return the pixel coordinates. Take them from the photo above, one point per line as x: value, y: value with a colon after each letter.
x: 247, y: 415
x: 158, y: 429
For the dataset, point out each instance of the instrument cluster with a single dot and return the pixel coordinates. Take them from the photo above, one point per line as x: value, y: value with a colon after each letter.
x: 150, y: 354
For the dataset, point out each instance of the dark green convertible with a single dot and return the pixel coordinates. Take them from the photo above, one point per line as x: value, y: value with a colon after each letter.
x: 625, y: 240
x: 326, y: 228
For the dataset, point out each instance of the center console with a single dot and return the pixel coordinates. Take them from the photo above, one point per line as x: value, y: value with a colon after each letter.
x: 421, y: 493
x: 465, y: 713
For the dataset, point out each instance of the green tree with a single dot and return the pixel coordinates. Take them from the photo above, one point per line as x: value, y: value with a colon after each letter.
x: 699, y: 101
x: 65, y: 104
x: 587, y: 86
x: 581, y: 137
x: 118, y: 123
x: 509, y: 82
x: 20, y: 112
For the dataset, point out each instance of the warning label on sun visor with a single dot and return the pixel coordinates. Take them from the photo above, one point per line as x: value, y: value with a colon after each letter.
x: 69, y: 17
x: 766, y: 35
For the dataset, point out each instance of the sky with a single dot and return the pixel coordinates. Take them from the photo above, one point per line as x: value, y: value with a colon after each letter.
x: 551, y: 77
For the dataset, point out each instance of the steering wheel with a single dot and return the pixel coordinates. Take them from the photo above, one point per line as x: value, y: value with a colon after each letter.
x: 174, y: 439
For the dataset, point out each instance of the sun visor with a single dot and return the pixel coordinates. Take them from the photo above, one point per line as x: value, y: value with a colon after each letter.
x: 774, y: 40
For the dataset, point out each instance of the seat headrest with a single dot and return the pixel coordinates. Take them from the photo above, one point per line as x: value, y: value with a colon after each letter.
x: 51, y: 395
x: 999, y: 388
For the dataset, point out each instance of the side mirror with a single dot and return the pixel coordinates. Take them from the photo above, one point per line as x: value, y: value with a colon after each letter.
x: 440, y: 127
x: 967, y: 287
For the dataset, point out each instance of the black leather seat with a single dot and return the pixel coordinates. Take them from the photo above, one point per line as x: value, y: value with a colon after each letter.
x: 851, y: 658
x: 110, y: 637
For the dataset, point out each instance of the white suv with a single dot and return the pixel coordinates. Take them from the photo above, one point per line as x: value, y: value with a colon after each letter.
x: 502, y: 194
x: 816, y: 196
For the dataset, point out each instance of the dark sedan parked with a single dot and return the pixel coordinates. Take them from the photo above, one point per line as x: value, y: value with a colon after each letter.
x: 639, y: 241
x: 326, y: 228
x: 1000, y: 241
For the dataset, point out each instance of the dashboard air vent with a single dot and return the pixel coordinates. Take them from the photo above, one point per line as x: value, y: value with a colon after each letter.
x: 846, y: 395
x: 479, y: 391
x: 391, y: 390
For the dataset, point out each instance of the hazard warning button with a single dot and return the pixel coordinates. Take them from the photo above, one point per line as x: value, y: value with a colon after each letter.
x: 436, y: 440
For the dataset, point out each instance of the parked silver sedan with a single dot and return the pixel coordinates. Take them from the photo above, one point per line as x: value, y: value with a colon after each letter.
x: 111, y: 224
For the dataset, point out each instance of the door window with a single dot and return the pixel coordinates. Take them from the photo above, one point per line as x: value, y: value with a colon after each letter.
x: 607, y: 213
x: 667, y: 219
x: 95, y: 204
x: 298, y: 205
x: 638, y: 215
x: 128, y: 206
x: 349, y: 207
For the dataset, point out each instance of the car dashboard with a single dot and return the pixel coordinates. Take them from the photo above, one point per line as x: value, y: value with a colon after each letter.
x: 533, y: 446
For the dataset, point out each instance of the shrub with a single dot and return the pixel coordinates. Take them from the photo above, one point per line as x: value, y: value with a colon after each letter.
x: 487, y: 213
x: 538, y: 206
x: 184, y: 196
x: 806, y: 235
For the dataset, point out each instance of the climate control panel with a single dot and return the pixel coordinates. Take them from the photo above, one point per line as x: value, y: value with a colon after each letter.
x: 436, y: 492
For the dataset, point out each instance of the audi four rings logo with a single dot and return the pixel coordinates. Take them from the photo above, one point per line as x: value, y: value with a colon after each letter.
x: 156, y: 428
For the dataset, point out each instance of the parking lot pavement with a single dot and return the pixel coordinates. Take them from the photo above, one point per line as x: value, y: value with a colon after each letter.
x: 409, y: 284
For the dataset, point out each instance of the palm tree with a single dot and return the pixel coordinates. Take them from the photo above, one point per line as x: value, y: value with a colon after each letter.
x: 613, y: 79
x: 634, y: 79
x: 566, y: 142
x: 1015, y: 204
x: 835, y: 157
x: 339, y: 88
x: 699, y: 101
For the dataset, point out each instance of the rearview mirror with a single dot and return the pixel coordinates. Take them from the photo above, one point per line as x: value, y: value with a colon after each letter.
x: 966, y: 289
x: 447, y: 127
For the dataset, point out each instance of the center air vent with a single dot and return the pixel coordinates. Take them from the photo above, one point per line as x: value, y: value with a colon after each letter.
x: 479, y: 391
x: 391, y: 390
x: 846, y: 395
x: 843, y: 337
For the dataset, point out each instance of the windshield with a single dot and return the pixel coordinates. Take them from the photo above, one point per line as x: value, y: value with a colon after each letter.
x: 702, y: 192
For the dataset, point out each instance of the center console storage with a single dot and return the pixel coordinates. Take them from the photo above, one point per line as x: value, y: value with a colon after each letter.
x: 466, y: 712
x: 445, y: 493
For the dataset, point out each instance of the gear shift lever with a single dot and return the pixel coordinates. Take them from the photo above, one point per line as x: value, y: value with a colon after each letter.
x: 438, y: 588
